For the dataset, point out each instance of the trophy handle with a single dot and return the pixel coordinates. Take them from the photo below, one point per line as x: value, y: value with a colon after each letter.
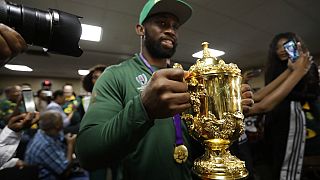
x: 192, y: 82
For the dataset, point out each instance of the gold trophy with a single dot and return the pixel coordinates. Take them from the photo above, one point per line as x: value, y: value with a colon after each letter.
x: 215, y: 118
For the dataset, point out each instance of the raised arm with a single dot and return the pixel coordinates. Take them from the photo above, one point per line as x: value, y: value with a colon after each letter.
x: 263, y: 92
x: 11, y: 134
x: 300, y: 68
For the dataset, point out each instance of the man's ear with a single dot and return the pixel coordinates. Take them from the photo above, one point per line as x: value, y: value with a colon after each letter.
x: 140, y: 30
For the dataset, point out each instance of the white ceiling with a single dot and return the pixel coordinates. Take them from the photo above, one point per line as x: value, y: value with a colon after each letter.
x: 241, y: 28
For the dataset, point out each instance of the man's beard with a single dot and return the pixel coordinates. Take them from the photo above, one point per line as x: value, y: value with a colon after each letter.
x: 156, y: 50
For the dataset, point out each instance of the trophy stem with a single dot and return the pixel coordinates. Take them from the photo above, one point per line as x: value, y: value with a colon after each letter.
x: 218, y: 163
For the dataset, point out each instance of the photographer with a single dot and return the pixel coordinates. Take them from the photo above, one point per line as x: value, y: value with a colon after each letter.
x: 11, y: 44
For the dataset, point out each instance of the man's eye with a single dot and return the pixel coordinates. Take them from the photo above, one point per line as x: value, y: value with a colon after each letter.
x: 176, y: 26
x: 162, y: 23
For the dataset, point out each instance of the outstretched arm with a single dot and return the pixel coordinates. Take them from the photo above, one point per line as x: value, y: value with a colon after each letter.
x: 11, y: 134
x: 263, y: 92
x: 300, y: 68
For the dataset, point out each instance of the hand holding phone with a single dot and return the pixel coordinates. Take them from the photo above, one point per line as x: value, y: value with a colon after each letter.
x: 292, y: 49
x: 303, y: 63
x: 23, y: 121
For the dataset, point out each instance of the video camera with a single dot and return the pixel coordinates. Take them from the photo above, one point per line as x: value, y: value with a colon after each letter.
x: 55, y: 30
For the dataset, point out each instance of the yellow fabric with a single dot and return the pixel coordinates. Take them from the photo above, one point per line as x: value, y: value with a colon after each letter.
x: 70, y: 98
x: 306, y: 106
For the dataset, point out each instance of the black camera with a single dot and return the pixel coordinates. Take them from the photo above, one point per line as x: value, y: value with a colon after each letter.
x: 55, y: 30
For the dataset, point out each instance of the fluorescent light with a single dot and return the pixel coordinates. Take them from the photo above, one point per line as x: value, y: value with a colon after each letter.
x: 91, y: 33
x: 18, y: 67
x: 83, y: 72
x: 213, y: 52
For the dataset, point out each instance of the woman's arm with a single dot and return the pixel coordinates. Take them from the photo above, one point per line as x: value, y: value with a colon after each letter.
x: 273, y: 98
x: 263, y: 92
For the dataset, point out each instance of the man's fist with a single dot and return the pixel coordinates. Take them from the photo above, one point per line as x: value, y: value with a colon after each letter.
x: 166, y: 94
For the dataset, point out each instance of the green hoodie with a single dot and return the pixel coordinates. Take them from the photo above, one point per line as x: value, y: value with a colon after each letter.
x: 116, y: 129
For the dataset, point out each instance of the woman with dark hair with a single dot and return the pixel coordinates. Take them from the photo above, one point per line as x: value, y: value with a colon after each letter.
x: 88, y: 82
x: 90, y: 79
x: 285, y: 128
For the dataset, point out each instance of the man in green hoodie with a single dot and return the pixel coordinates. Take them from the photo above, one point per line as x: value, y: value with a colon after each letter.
x: 130, y: 118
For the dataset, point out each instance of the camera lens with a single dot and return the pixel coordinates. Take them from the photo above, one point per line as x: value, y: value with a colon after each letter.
x: 55, y: 30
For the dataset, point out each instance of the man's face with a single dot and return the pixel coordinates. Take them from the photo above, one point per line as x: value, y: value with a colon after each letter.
x: 95, y: 76
x: 61, y: 100
x: 14, y: 94
x: 161, y: 37
x: 68, y: 90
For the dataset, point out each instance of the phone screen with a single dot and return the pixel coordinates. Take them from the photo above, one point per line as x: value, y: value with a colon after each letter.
x: 28, y: 100
x: 292, y: 50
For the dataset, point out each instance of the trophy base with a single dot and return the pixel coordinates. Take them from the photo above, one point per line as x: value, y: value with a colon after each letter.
x: 219, y: 165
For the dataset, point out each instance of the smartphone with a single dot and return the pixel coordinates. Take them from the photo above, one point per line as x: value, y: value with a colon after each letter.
x: 292, y: 50
x: 28, y: 100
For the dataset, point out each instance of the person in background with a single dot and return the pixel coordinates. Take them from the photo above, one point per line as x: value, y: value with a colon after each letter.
x: 268, y: 97
x: 11, y: 134
x: 8, y: 105
x: 90, y: 79
x: 58, y: 99
x: 48, y: 151
x: 313, y: 90
x: 88, y: 82
x: 46, y: 85
x: 44, y: 96
x: 130, y: 118
x: 73, y: 104
x: 285, y: 130
x: 42, y: 100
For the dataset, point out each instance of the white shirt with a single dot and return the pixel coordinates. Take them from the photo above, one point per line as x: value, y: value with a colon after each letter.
x: 9, y: 141
x: 53, y: 106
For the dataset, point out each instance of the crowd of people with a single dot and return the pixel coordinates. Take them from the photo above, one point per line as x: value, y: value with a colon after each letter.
x: 44, y: 139
x: 129, y: 124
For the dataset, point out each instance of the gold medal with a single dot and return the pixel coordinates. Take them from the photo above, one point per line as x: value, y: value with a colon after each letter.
x: 180, y: 153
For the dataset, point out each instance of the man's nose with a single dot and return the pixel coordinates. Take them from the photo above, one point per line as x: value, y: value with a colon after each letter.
x: 171, y: 30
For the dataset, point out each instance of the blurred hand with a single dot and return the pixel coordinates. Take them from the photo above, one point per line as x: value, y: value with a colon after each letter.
x: 166, y: 94
x: 247, y: 98
x: 70, y: 138
x: 11, y: 43
x: 23, y: 121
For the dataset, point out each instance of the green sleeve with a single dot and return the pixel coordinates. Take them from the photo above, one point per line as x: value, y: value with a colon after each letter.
x: 111, y: 128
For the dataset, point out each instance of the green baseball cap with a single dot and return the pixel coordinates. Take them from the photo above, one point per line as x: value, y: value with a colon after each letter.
x: 178, y: 8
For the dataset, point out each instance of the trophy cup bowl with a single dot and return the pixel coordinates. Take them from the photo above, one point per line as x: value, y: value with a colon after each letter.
x: 215, y: 118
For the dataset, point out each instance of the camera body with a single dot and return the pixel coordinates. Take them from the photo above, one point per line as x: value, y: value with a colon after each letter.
x: 55, y: 30
x: 291, y: 48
